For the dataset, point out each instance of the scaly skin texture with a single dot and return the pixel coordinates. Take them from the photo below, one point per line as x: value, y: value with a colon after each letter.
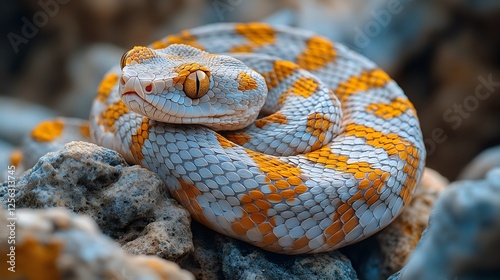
x: 334, y: 158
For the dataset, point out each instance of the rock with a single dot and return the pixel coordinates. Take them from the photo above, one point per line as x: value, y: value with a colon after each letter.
x: 57, y: 244
x: 19, y: 118
x: 386, y: 252
x: 244, y: 262
x: 6, y: 151
x: 220, y: 257
x: 463, y: 236
x: 87, y: 67
x: 129, y: 203
x: 481, y: 164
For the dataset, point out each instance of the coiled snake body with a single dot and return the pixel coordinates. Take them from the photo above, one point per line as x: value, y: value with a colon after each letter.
x: 290, y: 142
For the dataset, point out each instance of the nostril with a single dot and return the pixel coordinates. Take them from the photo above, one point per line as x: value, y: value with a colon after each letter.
x: 149, y: 88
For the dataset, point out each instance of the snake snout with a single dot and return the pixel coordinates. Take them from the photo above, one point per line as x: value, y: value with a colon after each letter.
x: 132, y: 85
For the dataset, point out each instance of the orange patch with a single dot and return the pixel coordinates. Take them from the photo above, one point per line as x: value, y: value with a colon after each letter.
x: 138, y: 139
x: 393, y: 145
x: 282, y: 69
x: 111, y: 114
x: 185, y: 69
x: 240, y: 138
x: 47, y: 131
x: 16, y: 157
x: 273, y: 118
x: 300, y: 243
x: 46, y: 254
x: 106, y: 86
x: 138, y: 55
x: 246, y: 82
x: 319, y: 51
x: 187, y: 197
x: 366, y: 80
x: 318, y: 125
x: 394, y: 109
x: 268, y: 164
x: 360, y: 171
x: 85, y: 130
x: 257, y: 34
x: 336, y: 238
x: 304, y: 87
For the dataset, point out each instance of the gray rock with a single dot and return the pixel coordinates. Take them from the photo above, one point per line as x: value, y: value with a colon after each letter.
x: 220, y: 257
x: 129, y: 203
x: 87, y: 67
x: 463, y: 236
x: 481, y: 164
x: 19, y: 117
x: 57, y: 244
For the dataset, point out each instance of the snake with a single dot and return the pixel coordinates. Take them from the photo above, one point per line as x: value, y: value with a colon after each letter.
x: 272, y: 135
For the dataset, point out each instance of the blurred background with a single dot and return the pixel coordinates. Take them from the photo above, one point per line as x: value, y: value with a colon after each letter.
x: 444, y: 54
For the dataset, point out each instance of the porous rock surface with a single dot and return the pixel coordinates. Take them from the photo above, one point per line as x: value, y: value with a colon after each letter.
x: 463, y: 237
x: 57, y: 244
x: 128, y: 203
x: 219, y: 257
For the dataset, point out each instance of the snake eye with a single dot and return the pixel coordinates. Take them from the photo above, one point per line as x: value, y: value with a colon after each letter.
x: 196, y: 84
x: 123, y: 60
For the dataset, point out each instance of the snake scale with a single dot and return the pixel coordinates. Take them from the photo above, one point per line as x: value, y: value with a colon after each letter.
x: 272, y: 135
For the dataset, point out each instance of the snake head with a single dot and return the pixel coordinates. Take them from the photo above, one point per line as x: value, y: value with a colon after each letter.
x: 184, y: 85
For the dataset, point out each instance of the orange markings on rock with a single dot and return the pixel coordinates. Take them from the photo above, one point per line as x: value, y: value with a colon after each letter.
x: 319, y: 51
x: 246, y: 82
x: 106, y: 86
x: 85, y: 130
x: 273, y: 118
x: 394, y: 109
x: 366, y: 80
x: 111, y: 114
x: 138, y: 139
x: 16, y: 157
x: 47, y: 131
x: 47, y: 254
x: 257, y: 34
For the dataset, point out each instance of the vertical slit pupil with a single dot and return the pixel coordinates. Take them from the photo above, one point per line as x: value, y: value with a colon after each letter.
x: 197, y: 84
